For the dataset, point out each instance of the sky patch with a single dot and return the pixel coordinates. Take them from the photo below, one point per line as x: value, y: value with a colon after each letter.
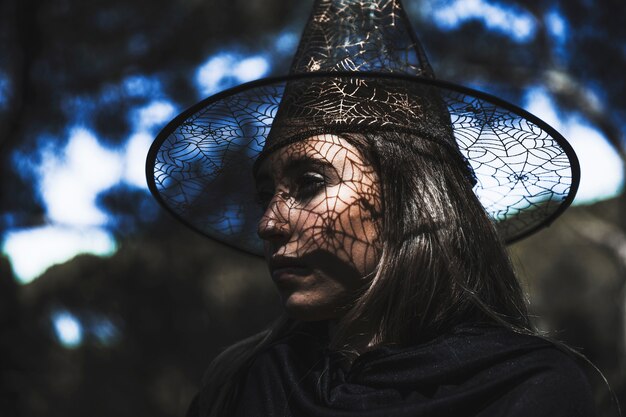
x: 514, y: 22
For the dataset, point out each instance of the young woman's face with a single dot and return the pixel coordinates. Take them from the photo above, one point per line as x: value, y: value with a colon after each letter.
x: 321, y: 222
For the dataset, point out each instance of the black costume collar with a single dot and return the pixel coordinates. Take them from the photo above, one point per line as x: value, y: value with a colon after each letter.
x: 474, y: 370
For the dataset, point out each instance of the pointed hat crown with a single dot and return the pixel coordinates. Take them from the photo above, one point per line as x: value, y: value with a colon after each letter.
x: 360, y: 35
x: 366, y: 37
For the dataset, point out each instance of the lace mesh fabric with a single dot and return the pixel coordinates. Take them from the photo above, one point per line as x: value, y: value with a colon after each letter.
x: 201, y: 165
x: 360, y: 35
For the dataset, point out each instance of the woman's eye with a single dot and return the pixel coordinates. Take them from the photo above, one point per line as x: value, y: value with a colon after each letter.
x: 309, y: 183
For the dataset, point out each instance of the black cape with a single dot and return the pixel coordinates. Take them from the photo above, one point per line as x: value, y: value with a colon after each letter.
x: 474, y: 370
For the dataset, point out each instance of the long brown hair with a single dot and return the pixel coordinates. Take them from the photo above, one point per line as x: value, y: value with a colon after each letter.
x: 442, y: 263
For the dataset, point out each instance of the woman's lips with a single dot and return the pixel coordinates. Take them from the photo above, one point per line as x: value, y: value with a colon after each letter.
x: 289, y: 274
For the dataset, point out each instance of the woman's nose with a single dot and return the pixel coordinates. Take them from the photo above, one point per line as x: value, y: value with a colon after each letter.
x: 274, y: 224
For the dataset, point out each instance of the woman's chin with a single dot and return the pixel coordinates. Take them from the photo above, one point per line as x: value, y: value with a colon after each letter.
x: 303, y: 309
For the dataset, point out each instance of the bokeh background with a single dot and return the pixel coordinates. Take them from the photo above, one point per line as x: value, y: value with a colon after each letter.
x: 109, y: 307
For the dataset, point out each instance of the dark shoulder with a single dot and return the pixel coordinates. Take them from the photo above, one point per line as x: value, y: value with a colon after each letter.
x: 558, y: 390
x: 549, y: 377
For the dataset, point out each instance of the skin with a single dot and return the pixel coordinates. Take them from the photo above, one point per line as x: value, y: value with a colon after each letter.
x: 320, y: 225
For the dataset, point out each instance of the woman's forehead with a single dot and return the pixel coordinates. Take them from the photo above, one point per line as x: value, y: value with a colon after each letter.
x: 327, y: 148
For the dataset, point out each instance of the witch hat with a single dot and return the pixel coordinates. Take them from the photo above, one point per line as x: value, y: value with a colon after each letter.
x: 358, y: 68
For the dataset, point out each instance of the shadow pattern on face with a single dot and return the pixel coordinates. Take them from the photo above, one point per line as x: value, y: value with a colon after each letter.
x: 322, y: 206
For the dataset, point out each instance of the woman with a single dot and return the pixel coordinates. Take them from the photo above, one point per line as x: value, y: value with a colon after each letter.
x: 432, y: 300
x: 399, y: 297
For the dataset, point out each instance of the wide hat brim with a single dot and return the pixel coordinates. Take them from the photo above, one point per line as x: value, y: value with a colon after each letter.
x: 200, y: 167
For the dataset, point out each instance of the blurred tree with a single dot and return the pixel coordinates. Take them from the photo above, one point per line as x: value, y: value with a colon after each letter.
x: 151, y: 318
